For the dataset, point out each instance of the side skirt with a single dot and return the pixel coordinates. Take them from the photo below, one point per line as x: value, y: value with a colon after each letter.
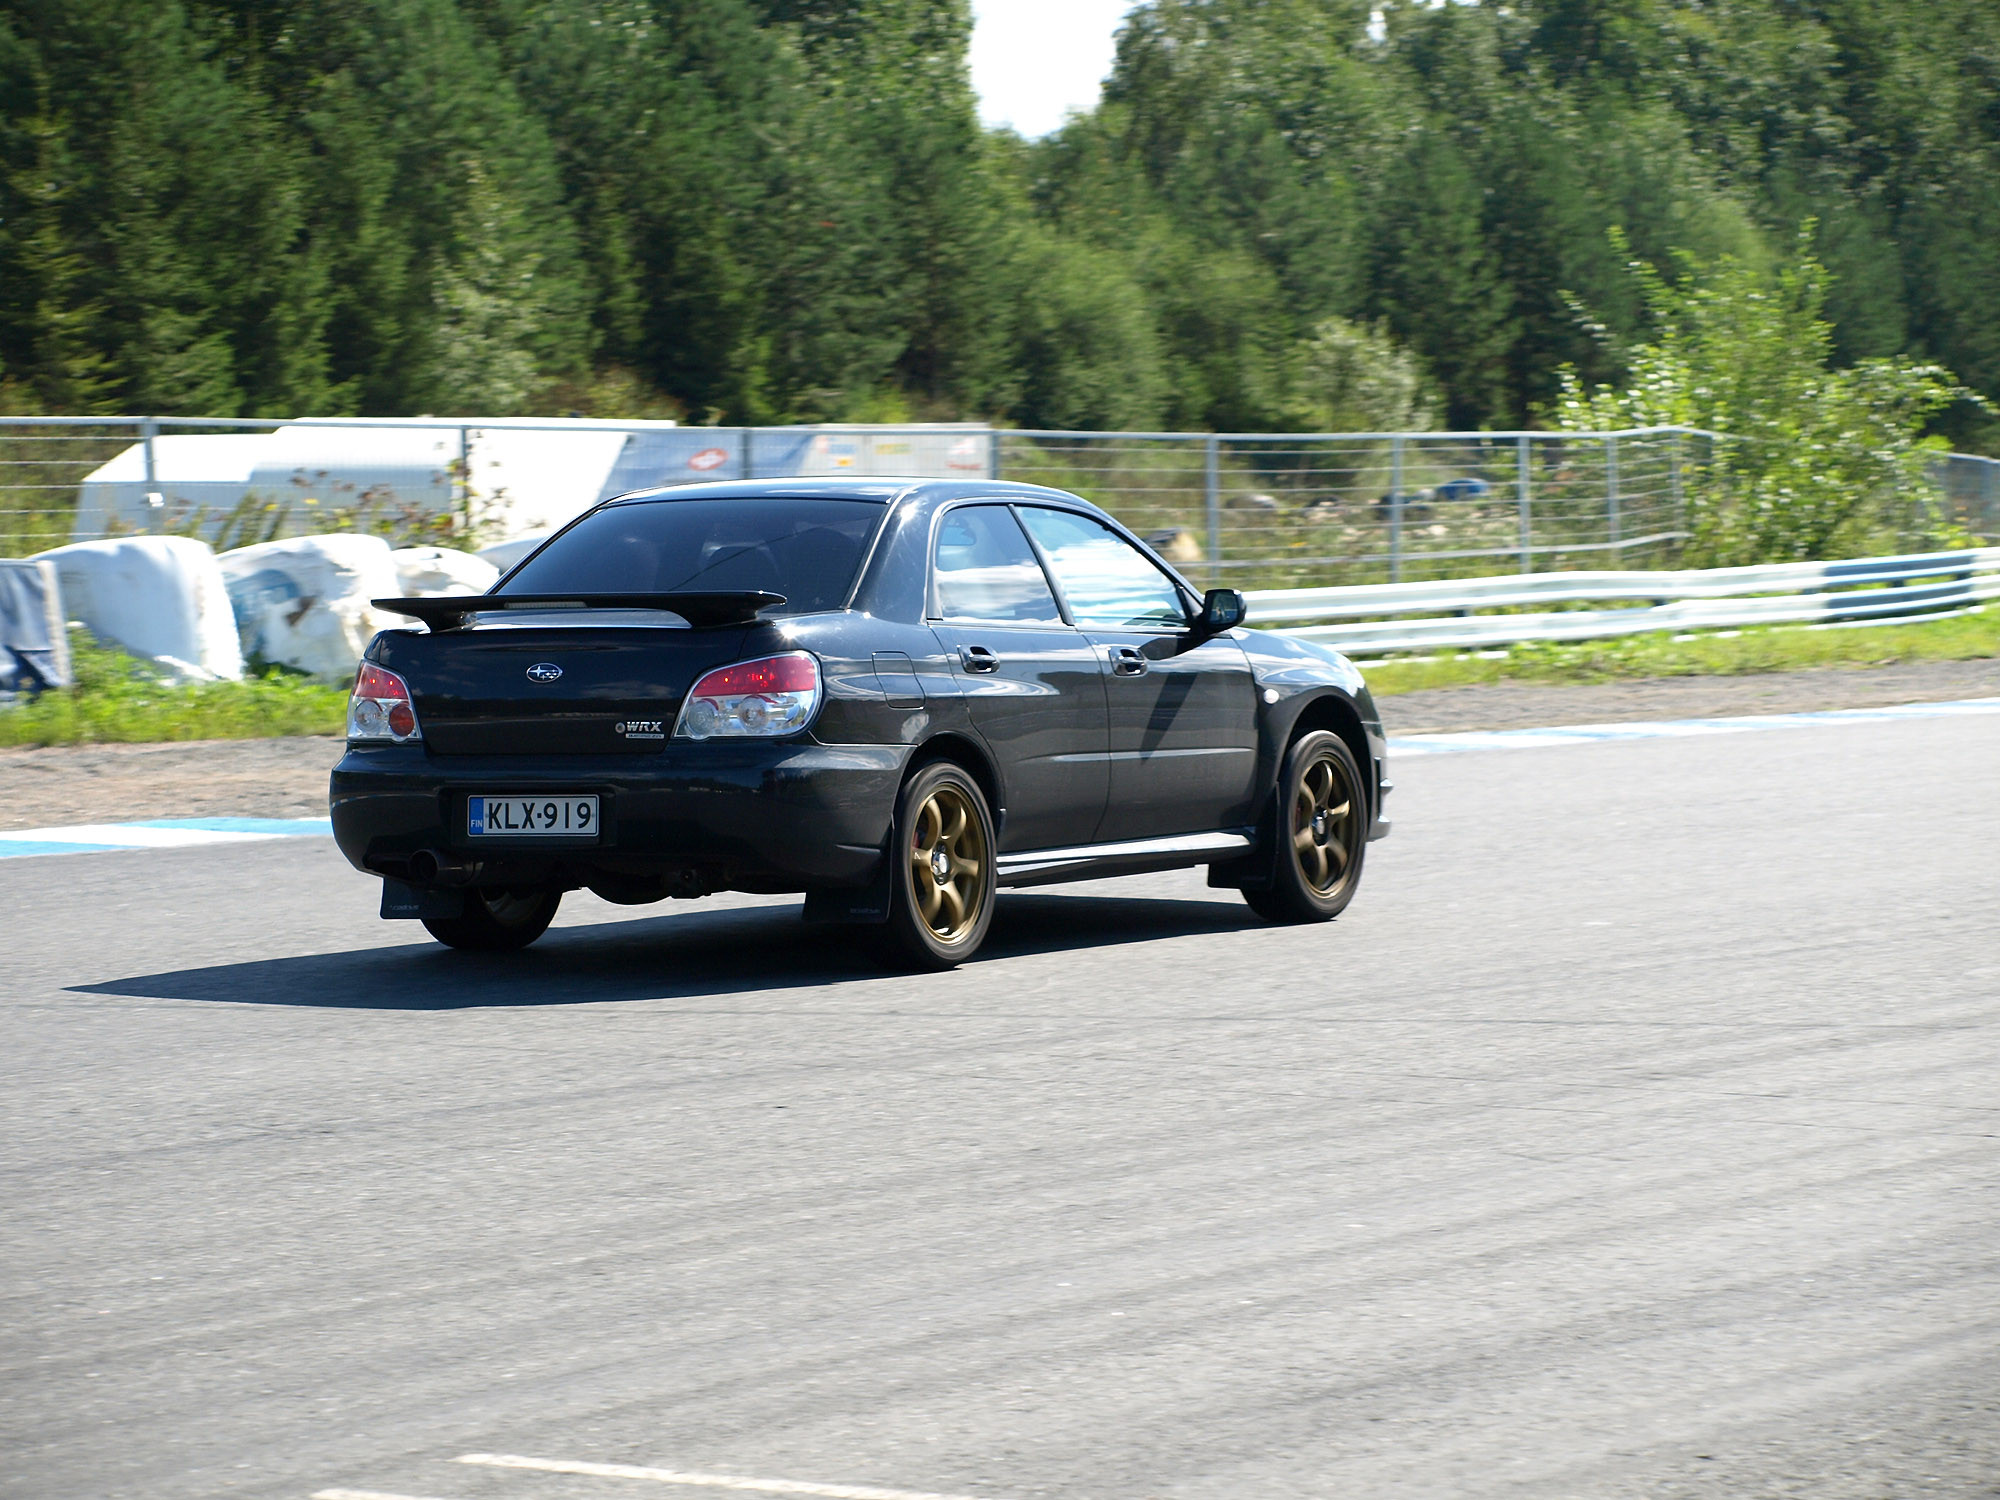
x: 1092, y: 861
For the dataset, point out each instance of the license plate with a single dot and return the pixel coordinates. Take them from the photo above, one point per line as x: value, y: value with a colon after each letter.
x: 523, y: 817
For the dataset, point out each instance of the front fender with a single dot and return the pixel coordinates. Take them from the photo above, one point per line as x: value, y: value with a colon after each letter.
x: 1303, y: 682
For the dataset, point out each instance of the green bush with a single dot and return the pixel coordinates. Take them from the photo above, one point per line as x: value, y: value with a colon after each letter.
x: 1813, y: 461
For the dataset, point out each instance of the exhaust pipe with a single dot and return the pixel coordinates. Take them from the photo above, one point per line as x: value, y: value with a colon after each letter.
x: 429, y: 867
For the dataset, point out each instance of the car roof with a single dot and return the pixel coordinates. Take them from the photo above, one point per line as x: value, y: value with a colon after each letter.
x: 881, y: 491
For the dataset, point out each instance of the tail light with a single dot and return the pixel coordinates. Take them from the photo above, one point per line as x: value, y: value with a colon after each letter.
x: 773, y: 695
x: 380, y: 707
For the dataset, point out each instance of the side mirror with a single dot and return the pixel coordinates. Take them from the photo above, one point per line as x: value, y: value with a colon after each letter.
x: 1222, y: 609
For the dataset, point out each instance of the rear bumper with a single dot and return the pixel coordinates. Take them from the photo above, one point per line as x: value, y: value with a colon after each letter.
x: 778, y: 817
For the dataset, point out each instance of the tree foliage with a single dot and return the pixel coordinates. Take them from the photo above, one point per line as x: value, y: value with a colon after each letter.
x: 1353, y: 378
x: 762, y: 210
x: 1810, y: 461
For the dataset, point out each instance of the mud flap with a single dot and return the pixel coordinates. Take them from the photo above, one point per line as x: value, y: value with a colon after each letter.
x: 860, y: 905
x: 403, y: 902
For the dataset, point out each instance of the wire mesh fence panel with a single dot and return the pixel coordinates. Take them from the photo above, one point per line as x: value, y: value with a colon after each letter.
x: 210, y: 480
x: 1416, y: 506
x: 1292, y: 507
x: 1972, y: 489
x: 411, y: 485
x: 230, y: 482
x: 1607, y: 500
x: 1276, y: 510
x: 43, y: 468
x: 455, y: 482
x: 1155, y: 484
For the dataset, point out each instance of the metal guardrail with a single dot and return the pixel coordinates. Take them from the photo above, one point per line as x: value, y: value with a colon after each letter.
x: 1866, y: 591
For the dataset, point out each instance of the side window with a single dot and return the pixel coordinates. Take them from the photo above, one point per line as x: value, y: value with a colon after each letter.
x: 987, y: 571
x: 1105, y: 579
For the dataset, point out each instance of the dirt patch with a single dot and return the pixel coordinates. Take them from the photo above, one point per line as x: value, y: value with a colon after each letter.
x: 287, y: 778
x: 1531, y: 705
x: 194, y: 779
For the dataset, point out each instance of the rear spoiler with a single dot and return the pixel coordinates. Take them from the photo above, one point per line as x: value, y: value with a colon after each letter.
x: 450, y: 612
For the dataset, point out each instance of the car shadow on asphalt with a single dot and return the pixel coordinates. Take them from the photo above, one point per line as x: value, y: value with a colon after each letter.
x: 686, y: 955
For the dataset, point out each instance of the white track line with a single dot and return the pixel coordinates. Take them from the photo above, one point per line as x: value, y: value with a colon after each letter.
x: 1453, y: 742
x: 707, y: 1481
x: 130, y: 836
x: 364, y: 1495
x: 156, y: 833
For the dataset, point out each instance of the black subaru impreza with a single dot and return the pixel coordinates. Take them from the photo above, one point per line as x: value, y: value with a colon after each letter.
x: 895, y: 697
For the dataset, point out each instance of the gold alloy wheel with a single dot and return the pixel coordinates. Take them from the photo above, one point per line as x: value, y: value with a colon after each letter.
x: 1322, y: 810
x: 948, y: 864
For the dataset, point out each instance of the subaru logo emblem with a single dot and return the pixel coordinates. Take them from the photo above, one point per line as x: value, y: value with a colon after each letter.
x: 544, y: 671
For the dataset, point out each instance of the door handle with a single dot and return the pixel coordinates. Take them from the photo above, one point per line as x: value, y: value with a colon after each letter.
x: 978, y: 659
x: 1126, y: 661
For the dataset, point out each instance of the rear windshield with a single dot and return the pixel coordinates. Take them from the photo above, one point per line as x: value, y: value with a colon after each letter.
x: 807, y: 550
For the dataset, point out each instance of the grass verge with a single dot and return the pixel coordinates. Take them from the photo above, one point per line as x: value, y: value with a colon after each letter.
x: 117, y: 699
x: 1716, y: 654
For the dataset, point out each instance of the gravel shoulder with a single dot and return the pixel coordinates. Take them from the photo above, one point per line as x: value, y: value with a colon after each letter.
x: 62, y: 784
x: 286, y: 778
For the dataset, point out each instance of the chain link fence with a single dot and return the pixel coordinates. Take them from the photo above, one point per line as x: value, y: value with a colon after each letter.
x: 1270, y: 511
x: 66, y: 479
x: 43, y: 464
x: 1255, y: 510
x: 1972, y: 488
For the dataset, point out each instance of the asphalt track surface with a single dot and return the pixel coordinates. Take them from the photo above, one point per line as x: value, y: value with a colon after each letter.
x: 1633, y: 1134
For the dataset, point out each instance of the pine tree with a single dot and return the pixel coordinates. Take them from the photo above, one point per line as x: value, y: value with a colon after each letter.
x: 53, y: 331
x: 1438, y: 284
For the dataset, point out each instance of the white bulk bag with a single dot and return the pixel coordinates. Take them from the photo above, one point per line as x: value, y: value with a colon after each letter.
x: 424, y: 571
x: 160, y: 597
x: 34, y: 646
x: 304, y: 601
x: 503, y: 555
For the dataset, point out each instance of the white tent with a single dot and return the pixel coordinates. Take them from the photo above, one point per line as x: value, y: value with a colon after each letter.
x: 531, y: 479
x: 201, y: 472
x: 325, y: 476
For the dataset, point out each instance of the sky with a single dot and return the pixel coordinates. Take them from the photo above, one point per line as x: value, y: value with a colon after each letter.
x: 1035, y: 60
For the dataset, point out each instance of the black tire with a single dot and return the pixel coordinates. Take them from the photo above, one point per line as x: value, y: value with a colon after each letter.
x: 498, y: 921
x: 1320, y: 830
x: 942, y: 878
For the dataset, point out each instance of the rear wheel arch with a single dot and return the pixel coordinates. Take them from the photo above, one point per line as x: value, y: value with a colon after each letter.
x: 965, y: 753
